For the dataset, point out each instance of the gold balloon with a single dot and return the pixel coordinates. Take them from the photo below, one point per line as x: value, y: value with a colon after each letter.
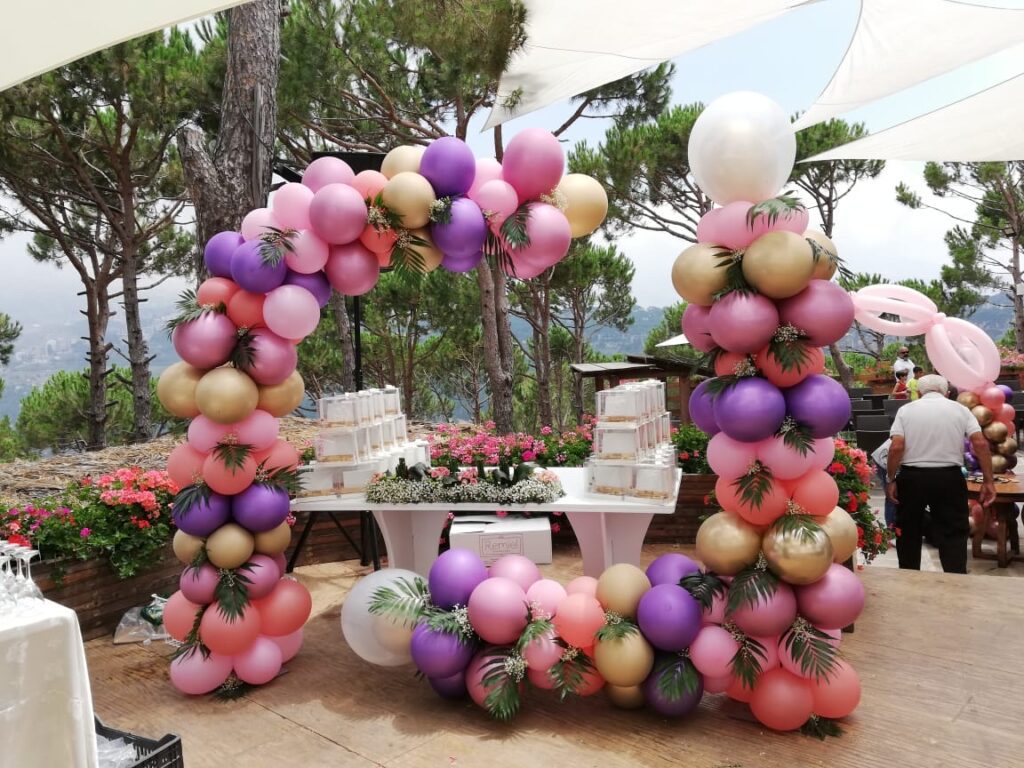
x: 620, y: 588
x: 430, y: 254
x: 229, y: 546
x: 996, y: 432
x: 409, y: 195
x: 186, y: 546
x: 1008, y: 447
x: 797, y: 558
x: 281, y: 399
x: 827, y: 264
x: 842, y: 532
x: 968, y: 400
x: 586, y: 202
x: 624, y: 661
x: 402, y: 159
x: 176, y: 390
x: 699, y: 274
x: 275, y: 541
x: 226, y: 395
x: 779, y: 264
x: 625, y: 697
x: 1001, y: 464
x: 727, y: 544
x: 983, y: 415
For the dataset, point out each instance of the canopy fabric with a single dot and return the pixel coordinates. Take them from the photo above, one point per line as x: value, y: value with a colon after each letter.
x: 675, y: 341
x: 982, y: 127
x: 44, y: 34
x: 576, y: 45
x: 900, y: 43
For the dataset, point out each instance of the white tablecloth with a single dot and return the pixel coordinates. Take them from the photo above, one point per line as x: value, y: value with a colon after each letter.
x: 46, y: 718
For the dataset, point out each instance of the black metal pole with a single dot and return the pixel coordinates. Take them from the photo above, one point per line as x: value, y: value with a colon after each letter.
x: 357, y: 313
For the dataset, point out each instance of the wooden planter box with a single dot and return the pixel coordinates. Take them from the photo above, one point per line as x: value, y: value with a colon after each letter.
x: 681, y: 526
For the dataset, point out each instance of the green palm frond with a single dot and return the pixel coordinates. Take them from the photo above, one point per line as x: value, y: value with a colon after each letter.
x: 454, y: 622
x: 188, y: 497
x: 704, y: 587
x: 616, y: 628
x: 502, y: 675
x: 720, y: 384
x: 513, y: 229
x: 232, y: 689
x: 192, y: 642
x: 753, y: 486
x: 535, y: 629
x: 812, y: 649
x: 800, y: 526
x: 796, y: 436
x: 752, y: 585
x: 821, y: 728
x: 821, y: 252
x: 408, y: 262
x: 189, y: 309
x: 735, y: 282
x: 748, y: 661
x: 275, y: 244
x: 232, y: 592
x: 789, y: 348
x: 407, y: 602
x: 287, y: 479
x: 232, y: 455
x: 773, y: 208
x: 676, y: 677
x: 567, y: 673
x: 243, y: 356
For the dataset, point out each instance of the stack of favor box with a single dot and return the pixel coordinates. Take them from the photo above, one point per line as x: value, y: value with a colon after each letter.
x: 633, y: 457
x: 362, y: 433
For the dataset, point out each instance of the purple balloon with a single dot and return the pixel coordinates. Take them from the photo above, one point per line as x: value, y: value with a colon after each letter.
x: 218, y: 251
x: 696, y: 328
x: 743, y: 322
x: 670, y: 568
x: 465, y: 232
x: 454, y: 576
x: 316, y: 283
x: 449, y: 165
x: 1007, y: 391
x: 461, y: 263
x: 971, y: 462
x: 702, y: 409
x: 273, y: 358
x: 453, y: 687
x: 669, y: 617
x: 439, y: 654
x: 260, y: 507
x: 752, y: 409
x: 205, y: 516
x: 251, y: 272
x: 819, y: 403
x: 822, y: 310
x: 664, y: 664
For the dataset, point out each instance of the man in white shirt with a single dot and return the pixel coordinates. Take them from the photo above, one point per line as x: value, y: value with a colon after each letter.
x: 903, y: 363
x: 924, y: 469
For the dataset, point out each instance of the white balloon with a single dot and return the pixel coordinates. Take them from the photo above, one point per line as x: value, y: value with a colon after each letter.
x: 392, y: 635
x: 360, y: 627
x: 742, y: 147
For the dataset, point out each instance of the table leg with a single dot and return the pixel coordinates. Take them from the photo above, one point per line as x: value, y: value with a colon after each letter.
x: 1001, y: 557
x: 591, y: 535
x: 426, y: 534
x: 396, y: 528
x: 626, y: 533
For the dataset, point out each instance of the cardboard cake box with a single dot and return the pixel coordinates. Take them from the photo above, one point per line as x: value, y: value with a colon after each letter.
x: 492, y: 537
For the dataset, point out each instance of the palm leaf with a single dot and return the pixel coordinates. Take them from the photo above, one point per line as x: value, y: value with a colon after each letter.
x: 773, y: 208
x: 748, y: 661
x: 735, y: 281
x: 232, y: 592
x: 677, y: 677
x: 535, y: 629
x: 189, y: 309
x: 567, y: 673
x: 453, y: 622
x: 796, y: 436
x: 801, y: 526
x: 232, y: 689
x: 615, y: 628
x: 275, y: 244
x: 821, y: 728
x: 232, y: 455
x: 720, y: 384
x: 503, y: 700
x: 287, y: 479
x: 753, y: 486
x: 192, y: 642
x: 188, y: 497
x: 243, y: 356
x: 408, y: 262
x: 407, y: 602
x: 812, y: 649
x: 789, y: 348
x: 513, y: 229
x: 704, y: 587
x: 752, y: 585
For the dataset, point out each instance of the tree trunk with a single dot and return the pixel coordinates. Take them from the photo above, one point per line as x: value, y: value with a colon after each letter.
x: 1018, y: 301
x: 498, y: 376
x: 348, y: 351
x: 578, y: 345
x: 138, y: 351
x: 97, y: 312
x: 845, y: 374
x: 229, y: 174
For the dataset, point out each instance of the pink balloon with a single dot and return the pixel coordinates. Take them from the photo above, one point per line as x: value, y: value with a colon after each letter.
x: 291, y: 312
x: 822, y: 310
x: 791, y: 665
x: 475, y: 673
x: 794, y: 221
x: 259, y: 429
x: 993, y: 398
x: 916, y: 311
x: 787, y: 463
x: 743, y: 322
x: 369, y: 184
x: 273, y: 357
x: 834, y: 601
x: 263, y: 574
x: 533, y: 163
x: 257, y: 222
x: 289, y: 645
x: 522, y: 570
x: 543, y: 652
x: 497, y: 610
x: 1007, y: 414
x: 730, y: 458
x: 259, y: 663
x: 327, y: 170
x: 696, y: 325
x: 352, y: 269
x: 199, y: 584
x: 498, y: 200
x: 716, y: 613
x: 337, y: 214
x: 717, y: 684
x: 770, y: 643
x: 279, y: 559
x: 204, y: 433
x: 712, y: 650
x: 308, y: 253
x: 582, y: 585
x: 290, y: 204
x: 544, y: 597
x: 487, y: 169
x: 962, y: 352
x: 768, y: 616
x: 710, y: 228
x: 540, y: 678
x: 549, y: 234
x: 195, y: 675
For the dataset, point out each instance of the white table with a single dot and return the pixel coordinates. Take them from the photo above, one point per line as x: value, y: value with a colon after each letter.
x: 609, y: 529
x: 45, y: 703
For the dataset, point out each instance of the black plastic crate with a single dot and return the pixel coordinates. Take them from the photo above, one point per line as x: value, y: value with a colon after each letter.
x: 165, y: 753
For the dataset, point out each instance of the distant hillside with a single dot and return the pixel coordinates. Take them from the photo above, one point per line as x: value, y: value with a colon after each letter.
x: 609, y: 341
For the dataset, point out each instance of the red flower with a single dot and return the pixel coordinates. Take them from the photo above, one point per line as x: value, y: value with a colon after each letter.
x: 555, y: 527
x: 17, y: 538
x: 878, y: 537
x: 836, y: 468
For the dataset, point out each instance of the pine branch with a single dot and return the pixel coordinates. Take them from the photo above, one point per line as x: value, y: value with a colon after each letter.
x: 821, y: 728
x: 407, y: 602
x: 704, y: 587
x: 773, y: 208
x: 752, y: 585
x: 812, y: 649
x: 747, y: 663
x: 677, y: 677
x: 615, y: 628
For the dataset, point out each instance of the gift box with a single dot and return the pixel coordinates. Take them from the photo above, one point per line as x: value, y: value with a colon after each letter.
x: 492, y: 537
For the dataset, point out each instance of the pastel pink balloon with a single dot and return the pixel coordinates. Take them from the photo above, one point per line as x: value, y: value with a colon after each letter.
x: 291, y: 312
x: 327, y: 170
x: 487, y: 169
x: 717, y: 684
x: 337, y: 214
x: 369, y: 184
x: 743, y: 322
x: 352, y: 269
x: 544, y: 597
x: 730, y: 458
x: 1007, y: 414
x: 716, y: 613
x: 199, y: 584
x: 477, y: 670
x: 195, y: 675
x: 791, y: 665
x: 522, y: 570
x: 712, y: 650
x: 498, y: 199
x: 729, y: 226
x: 710, y: 228
x: 204, y: 433
x: 549, y: 233
x: 263, y: 574
x: 257, y: 222
x: 289, y: 645
x: 259, y: 429
x: 308, y: 253
x: 280, y: 560
x: 290, y: 204
x: 273, y: 357
x: 696, y: 325
x: 533, y: 163
x: 768, y: 616
x: 822, y: 310
x: 834, y: 601
x: 770, y: 643
x: 497, y: 610
x: 993, y: 398
x: 582, y: 585
x: 794, y: 221
x: 259, y: 663
x: 543, y: 652
x: 784, y: 462
x: 540, y: 678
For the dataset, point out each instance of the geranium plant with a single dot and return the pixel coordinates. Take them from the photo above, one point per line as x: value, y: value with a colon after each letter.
x: 455, y: 446
x: 691, y: 445
x: 852, y: 473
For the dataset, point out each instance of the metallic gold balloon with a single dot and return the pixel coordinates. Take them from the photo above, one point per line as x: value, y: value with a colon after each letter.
x: 409, y: 195
x: 186, y: 546
x: 229, y: 546
x: 624, y: 661
x: 779, y: 264
x: 275, y: 541
x: 429, y: 253
x: 699, y: 273
x: 586, y: 202
x: 996, y: 432
x: 281, y: 399
x: 625, y: 697
x: 983, y: 415
x: 827, y: 264
x: 727, y: 544
x: 226, y: 395
x: 968, y: 399
x: 620, y: 588
x: 797, y: 558
x: 401, y: 159
x: 176, y: 390
x: 1008, y: 447
x: 842, y: 532
x: 1001, y: 464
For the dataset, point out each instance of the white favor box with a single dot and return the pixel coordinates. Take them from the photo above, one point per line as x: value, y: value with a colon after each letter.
x: 619, y: 443
x: 493, y: 537
x: 610, y: 479
x: 392, y: 400
x: 338, y: 411
x: 356, y: 479
x: 654, y: 482
x: 375, y: 435
x: 619, y: 405
x: 317, y: 480
x: 401, y: 429
x: 340, y: 446
x: 388, y: 430
x: 365, y: 407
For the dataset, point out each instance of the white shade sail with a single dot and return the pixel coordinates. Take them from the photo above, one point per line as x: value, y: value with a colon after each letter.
x: 900, y: 43
x: 42, y: 35
x: 675, y: 341
x: 985, y: 126
x: 575, y: 45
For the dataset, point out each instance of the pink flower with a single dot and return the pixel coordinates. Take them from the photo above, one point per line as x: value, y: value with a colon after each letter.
x: 84, y: 533
x: 501, y: 513
x: 555, y: 527
x: 545, y: 430
x: 529, y: 455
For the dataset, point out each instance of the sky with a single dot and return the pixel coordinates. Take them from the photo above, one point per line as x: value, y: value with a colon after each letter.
x: 789, y: 59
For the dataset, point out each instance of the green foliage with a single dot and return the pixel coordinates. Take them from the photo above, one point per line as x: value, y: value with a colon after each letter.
x: 751, y: 586
x: 691, y: 444
x: 811, y: 649
x: 407, y: 603
x: 671, y: 325
x: 11, y: 445
x: 704, y: 587
x: 615, y: 628
x: 852, y: 473
x: 676, y: 677
x: 9, y: 333
x: 821, y: 728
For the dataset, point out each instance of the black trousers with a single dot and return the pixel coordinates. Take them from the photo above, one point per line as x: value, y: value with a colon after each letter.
x: 944, y: 491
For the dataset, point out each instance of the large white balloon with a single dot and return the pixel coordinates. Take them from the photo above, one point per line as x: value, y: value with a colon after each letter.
x: 374, y: 638
x: 742, y: 147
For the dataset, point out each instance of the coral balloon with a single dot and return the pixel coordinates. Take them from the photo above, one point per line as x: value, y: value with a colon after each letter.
x: 533, y: 163
x: 281, y: 455
x: 285, y: 609
x: 184, y: 464
x: 378, y: 241
x: 578, y: 618
x: 522, y: 570
x: 781, y: 701
x: 290, y: 204
x: 497, y: 610
x: 816, y: 493
x: 409, y: 196
x: 786, y: 462
x: 697, y: 274
x: 619, y: 590
x: 225, y: 479
x: 403, y: 159
x: 176, y: 389
x: 245, y: 309
x: 770, y: 507
x: 291, y: 312
x: 259, y: 663
x: 229, y: 546
x: 214, y: 291
x: 582, y: 585
x: 586, y: 202
x: 308, y: 253
x: 327, y: 170
x: 369, y: 184
x: 229, y: 634
x: 743, y: 322
x: 179, y: 615
x: 837, y: 695
x: 810, y: 361
x: 337, y: 214
x: 352, y: 269
x: 195, y: 674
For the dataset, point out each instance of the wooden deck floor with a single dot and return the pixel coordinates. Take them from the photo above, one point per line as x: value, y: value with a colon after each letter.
x: 940, y: 660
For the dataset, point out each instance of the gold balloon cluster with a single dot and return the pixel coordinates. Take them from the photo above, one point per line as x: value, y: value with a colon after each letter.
x: 624, y: 661
x: 1002, y: 444
x: 231, y: 546
x: 779, y: 264
x: 225, y: 395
